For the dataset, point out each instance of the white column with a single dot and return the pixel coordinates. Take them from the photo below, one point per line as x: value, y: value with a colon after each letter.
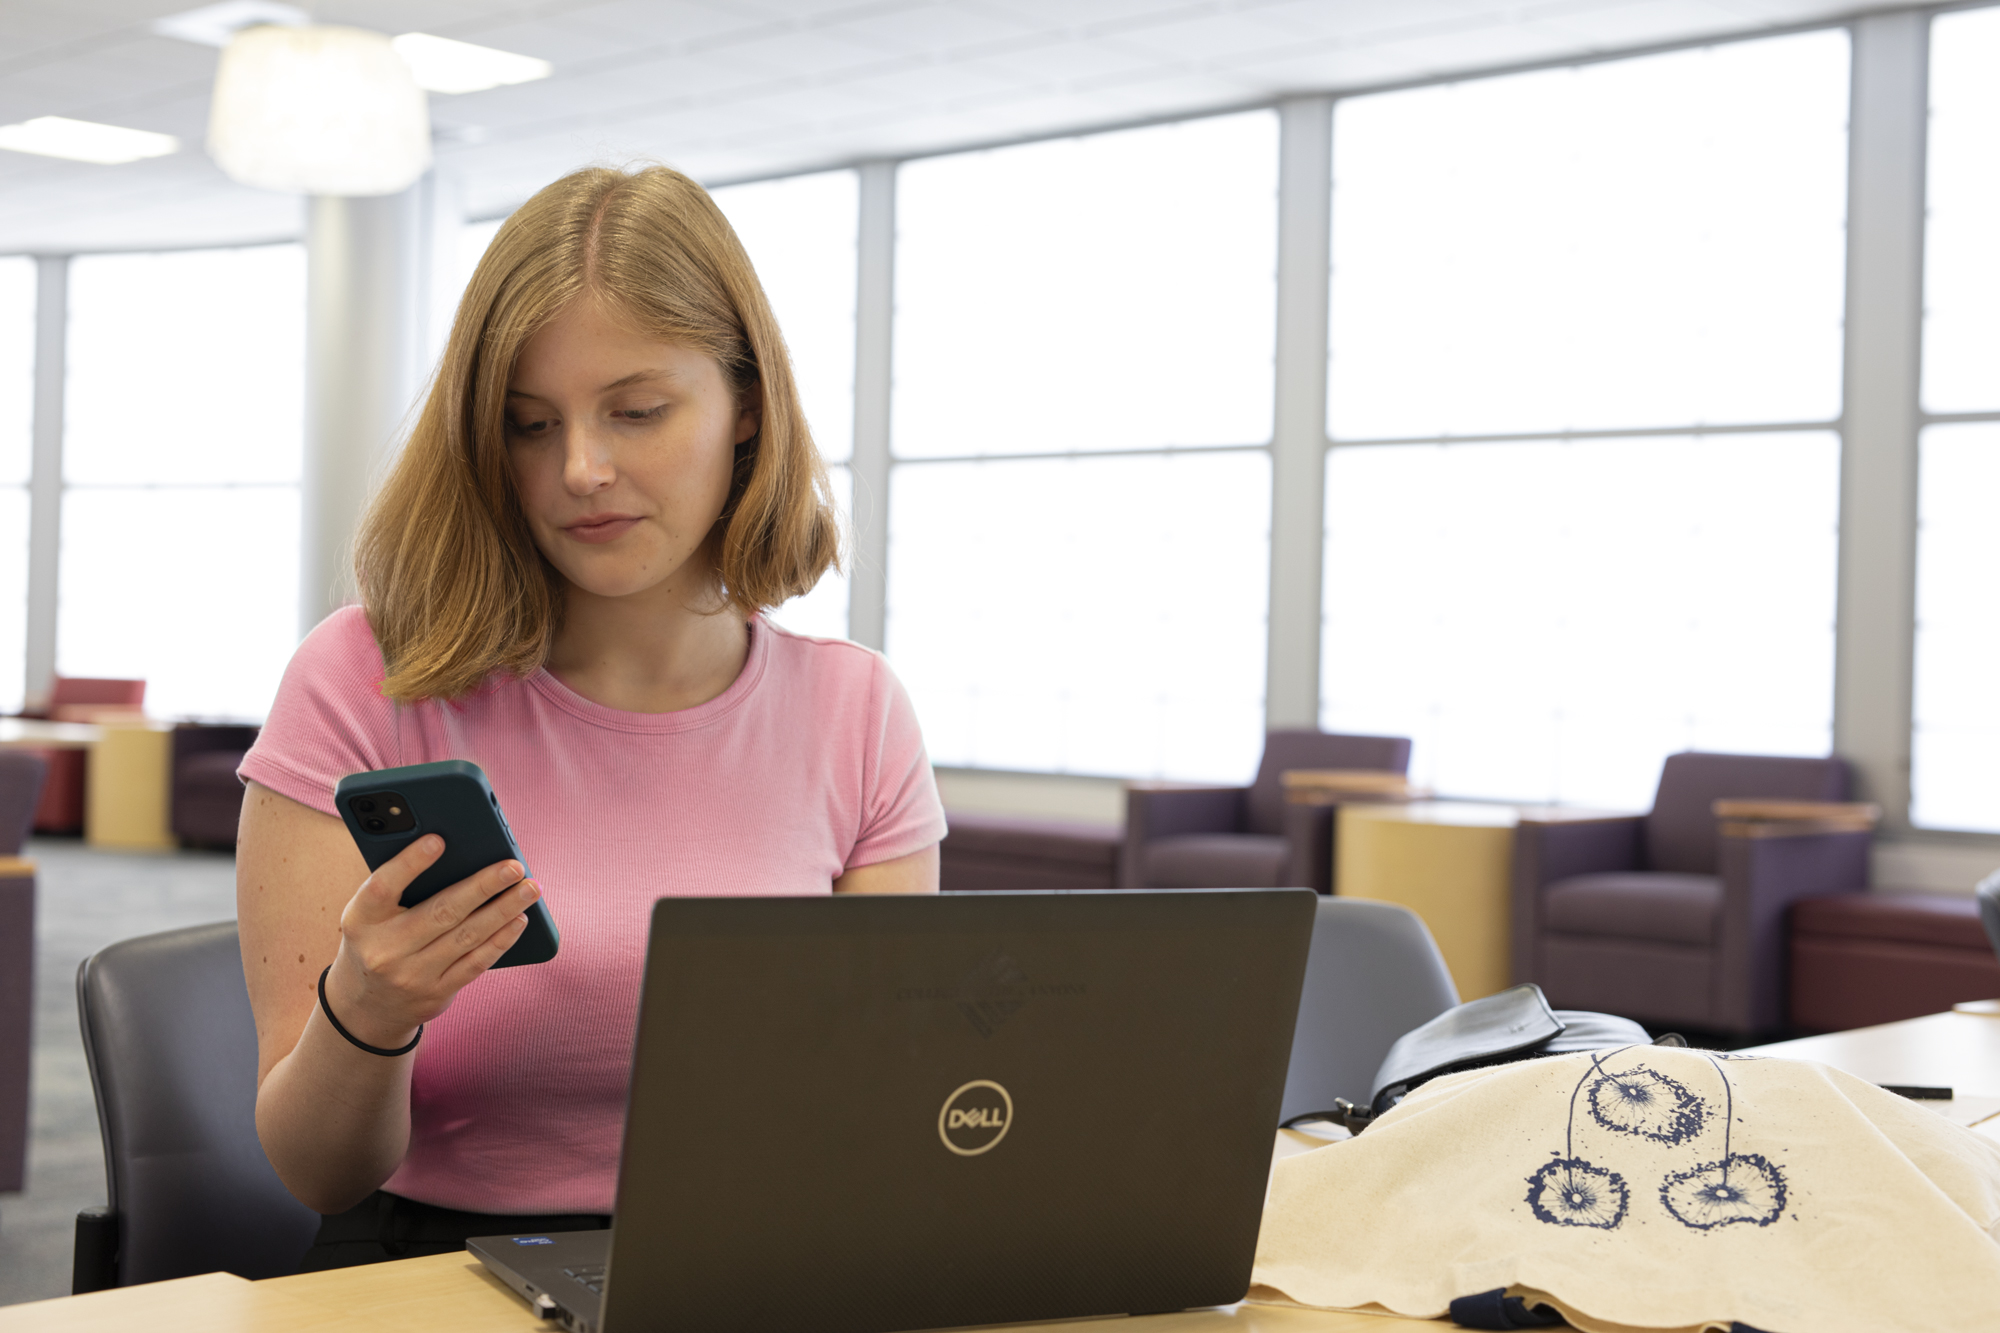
x: 45, y: 482
x: 1298, y: 443
x: 874, y: 315
x: 1878, y: 501
x: 364, y: 343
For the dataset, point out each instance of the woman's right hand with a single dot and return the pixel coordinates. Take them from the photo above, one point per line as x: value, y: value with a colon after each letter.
x: 399, y: 967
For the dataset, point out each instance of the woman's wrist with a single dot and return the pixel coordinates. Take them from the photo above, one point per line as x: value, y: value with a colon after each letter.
x: 344, y: 997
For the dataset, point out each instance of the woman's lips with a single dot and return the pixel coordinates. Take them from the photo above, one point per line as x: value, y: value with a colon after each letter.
x: 597, y: 531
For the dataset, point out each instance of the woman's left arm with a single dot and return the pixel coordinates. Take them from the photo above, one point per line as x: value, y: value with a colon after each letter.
x: 915, y: 873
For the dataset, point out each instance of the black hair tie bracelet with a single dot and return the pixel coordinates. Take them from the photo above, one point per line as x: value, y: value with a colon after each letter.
x: 327, y: 1009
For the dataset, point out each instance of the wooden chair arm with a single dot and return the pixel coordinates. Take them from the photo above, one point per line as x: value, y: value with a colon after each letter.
x: 1792, y: 819
x: 1332, y: 786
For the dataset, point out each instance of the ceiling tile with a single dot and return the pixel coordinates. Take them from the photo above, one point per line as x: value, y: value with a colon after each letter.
x: 933, y: 29
x: 1085, y: 15
x: 926, y: 86
x: 1335, y: 69
x: 1063, y: 61
x: 1209, y: 39
x: 646, y: 23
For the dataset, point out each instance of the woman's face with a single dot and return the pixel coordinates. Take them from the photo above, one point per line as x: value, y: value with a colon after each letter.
x: 622, y: 448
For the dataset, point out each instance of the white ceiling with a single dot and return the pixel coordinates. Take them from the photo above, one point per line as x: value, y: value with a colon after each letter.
x: 729, y: 89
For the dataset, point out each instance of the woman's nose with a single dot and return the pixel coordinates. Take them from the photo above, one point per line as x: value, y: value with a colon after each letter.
x: 587, y: 462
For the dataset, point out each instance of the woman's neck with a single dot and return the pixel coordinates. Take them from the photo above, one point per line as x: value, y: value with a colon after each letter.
x: 655, y: 652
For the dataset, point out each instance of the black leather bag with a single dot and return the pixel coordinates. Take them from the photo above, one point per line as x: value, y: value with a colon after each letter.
x: 1516, y: 1024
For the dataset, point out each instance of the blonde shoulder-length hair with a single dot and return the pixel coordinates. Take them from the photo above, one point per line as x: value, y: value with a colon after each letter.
x: 453, y: 584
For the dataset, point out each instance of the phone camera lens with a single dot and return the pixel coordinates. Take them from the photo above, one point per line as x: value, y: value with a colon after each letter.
x: 374, y: 825
x: 365, y: 806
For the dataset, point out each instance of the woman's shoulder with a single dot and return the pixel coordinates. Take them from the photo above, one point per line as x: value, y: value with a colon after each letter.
x: 344, y: 640
x: 837, y: 659
x: 829, y: 671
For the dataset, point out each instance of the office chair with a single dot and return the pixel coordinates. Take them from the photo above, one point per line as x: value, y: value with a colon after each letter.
x: 172, y: 1051
x: 1373, y: 973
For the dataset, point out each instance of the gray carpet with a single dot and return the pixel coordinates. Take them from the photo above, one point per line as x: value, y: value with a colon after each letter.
x: 85, y: 899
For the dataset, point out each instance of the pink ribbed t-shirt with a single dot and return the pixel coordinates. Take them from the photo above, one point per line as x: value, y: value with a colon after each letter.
x: 811, y: 763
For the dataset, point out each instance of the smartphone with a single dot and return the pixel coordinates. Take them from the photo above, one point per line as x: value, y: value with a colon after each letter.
x: 390, y: 808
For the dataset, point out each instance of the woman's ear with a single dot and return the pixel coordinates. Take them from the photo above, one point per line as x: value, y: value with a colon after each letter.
x: 750, y: 418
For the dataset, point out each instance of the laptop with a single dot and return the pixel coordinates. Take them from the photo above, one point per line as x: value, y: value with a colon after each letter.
x: 865, y: 1114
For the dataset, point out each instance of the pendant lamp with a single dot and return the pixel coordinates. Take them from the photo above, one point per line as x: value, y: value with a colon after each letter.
x: 320, y: 110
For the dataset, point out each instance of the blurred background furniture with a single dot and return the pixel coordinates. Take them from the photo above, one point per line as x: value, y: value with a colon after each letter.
x: 987, y: 852
x: 1678, y: 917
x: 172, y: 1052
x: 128, y: 792
x: 1449, y: 863
x: 79, y: 699
x: 1987, y: 895
x: 1859, y: 959
x: 207, y: 799
x: 21, y: 776
x: 1373, y: 974
x: 1191, y: 837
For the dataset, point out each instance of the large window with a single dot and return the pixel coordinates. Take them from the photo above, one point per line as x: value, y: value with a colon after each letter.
x: 17, y: 414
x: 1954, y: 781
x: 1105, y: 303
x: 1651, y: 246
x: 183, y: 419
x: 800, y: 234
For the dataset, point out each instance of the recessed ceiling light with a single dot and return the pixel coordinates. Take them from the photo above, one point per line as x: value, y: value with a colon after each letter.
x: 445, y: 66
x: 85, y: 141
x: 214, y: 25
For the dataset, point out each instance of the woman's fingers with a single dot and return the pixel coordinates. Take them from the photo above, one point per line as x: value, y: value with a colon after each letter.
x: 447, y: 910
x: 485, y: 954
x: 380, y: 896
x: 478, y: 929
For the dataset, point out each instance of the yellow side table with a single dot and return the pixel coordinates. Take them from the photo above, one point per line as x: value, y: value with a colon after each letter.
x: 127, y: 793
x: 1451, y: 863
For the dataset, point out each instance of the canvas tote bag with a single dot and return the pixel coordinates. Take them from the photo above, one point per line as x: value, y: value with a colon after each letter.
x: 1648, y: 1188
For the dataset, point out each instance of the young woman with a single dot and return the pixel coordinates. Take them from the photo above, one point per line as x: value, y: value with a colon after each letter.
x: 561, y: 581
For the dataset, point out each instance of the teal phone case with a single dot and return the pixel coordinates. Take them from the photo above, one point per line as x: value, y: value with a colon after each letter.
x: 453, y: 800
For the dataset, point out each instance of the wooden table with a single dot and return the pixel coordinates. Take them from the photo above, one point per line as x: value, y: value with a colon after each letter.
x: 27, y: 733
x: 128, y: 784
x: 452, y: 1293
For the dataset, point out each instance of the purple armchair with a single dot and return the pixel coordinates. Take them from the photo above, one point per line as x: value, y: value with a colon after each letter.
x: 1673, y: 917
x: 1247, y: 837
x: 21, y: 776
x: 207, y: 798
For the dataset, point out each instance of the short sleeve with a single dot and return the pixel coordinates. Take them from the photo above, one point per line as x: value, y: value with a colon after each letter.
x: 329, y: 718
x: 901, y: 813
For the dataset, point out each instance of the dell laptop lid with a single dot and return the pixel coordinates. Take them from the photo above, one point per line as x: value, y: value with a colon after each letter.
x: 864, y: 1114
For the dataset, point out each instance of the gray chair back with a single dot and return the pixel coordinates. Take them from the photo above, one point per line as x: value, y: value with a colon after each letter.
x: 1681, y: 830
x: 1373, y: 974
x: 21, y: 775
x: 1989, y: 909
x: 173, y: 1056
x: 1284, y: 750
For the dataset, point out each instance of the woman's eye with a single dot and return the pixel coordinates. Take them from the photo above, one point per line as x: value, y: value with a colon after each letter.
x: 528, y: 427
x: 639, y: 413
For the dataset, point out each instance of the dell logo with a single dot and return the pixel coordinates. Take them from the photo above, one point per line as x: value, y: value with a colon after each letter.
x: 975, y: 1118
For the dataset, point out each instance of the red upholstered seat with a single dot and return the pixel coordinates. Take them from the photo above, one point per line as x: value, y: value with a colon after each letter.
x: 1862, y: 959
x: 1945, y: 920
